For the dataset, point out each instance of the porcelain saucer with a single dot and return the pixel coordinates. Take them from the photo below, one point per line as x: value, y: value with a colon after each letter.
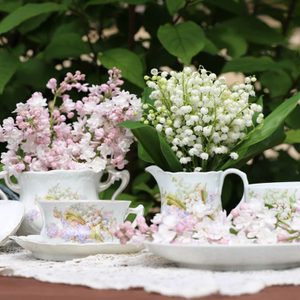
x: 230, y: 257
x: 11, y: 216
x: 46, y: 249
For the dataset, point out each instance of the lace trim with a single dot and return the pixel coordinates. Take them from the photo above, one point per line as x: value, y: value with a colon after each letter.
x: 142, y: 270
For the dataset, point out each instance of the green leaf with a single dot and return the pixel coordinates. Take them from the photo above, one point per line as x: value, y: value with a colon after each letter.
x: 174, y: 6
x: 141, y: 178
x: 292, y: 137
x: 223, y: 37
x: 101, y: 2
x: 142, y: 187
x: 293, y: 121
x: 9, y: 6
x: 147, y: 137
x: 8, y: 67
x: 261, y: 137
x: 154, y: 145
x: 127, y: 61
x: 145, y: 96
x: 65, y: 45
x: 169, y: 154
x: 250, y: 64
x: 34, y: 72
x: 278, y: 82
x: 236, y: 7
x: 184, y: 40
x: 254, y: 30
x: 32, y: 23
x: 210, y: 47
x: 273, y: 140
x: 27, y: 12
x: 143, y: 155
x: 273, y: 121
x: 136, y: 2
x: 255, y: 115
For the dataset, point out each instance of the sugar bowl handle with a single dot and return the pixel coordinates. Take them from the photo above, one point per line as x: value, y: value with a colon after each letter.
x: 114, y: 175
x: 15, y: 187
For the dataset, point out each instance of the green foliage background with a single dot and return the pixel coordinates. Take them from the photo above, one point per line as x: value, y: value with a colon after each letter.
x: 40, y: 39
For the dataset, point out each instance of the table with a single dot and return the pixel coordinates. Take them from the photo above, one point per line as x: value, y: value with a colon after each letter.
x: 13, y: 288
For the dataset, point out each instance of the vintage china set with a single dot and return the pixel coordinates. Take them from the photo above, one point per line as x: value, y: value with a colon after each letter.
x: 59, y: 185
x: 58, y: 225
x: 176, y: 188
x: 183, y: 188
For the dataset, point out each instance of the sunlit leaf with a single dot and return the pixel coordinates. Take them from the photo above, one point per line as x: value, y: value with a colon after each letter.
x: 184, y: 40
x: 27, y: 12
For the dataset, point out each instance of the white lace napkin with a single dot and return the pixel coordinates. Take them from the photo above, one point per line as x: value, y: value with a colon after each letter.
x: 142, y: 270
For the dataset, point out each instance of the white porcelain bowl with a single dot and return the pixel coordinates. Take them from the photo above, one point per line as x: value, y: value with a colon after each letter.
x: 11, y: 216
x: 274, y: 191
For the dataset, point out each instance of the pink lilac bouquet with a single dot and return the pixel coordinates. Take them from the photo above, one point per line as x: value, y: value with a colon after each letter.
x: 71, y: 132
x: 253, y: 222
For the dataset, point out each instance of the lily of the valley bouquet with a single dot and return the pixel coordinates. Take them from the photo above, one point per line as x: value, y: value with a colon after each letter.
x: 77, y: 129
x: 194, y: 121
x: 200, y: 117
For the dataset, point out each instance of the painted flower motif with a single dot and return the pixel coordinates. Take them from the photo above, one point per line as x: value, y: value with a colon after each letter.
x: 58, y: 192
x: 52, y: 230
x: 82, y: 223
x: 32, y: 215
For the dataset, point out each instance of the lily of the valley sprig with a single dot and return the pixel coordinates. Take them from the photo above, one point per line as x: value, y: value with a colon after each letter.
x: 199, y: 115
x: 194, y: 121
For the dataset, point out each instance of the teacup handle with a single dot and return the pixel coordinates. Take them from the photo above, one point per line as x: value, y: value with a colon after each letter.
x: 241, y: 174
x: 138, y: 211
x: 114, y: 175
x: 13, y: 186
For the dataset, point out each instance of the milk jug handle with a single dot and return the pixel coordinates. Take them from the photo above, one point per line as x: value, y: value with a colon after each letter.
x: 241, y: 174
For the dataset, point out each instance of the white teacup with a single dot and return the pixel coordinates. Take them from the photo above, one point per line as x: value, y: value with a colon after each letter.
x: 84, y: 221
x: 274, y: 192
x: 59, y: 185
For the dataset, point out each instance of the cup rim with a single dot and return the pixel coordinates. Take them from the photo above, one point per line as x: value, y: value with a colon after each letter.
x: 278, y: 185
x: 59, y: 171
x: 192, y: 173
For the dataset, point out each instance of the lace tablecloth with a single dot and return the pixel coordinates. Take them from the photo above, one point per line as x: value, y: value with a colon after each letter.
x: 142, y: 270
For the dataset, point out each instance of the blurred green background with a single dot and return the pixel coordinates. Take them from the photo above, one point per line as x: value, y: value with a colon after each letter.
x: 43, y: 39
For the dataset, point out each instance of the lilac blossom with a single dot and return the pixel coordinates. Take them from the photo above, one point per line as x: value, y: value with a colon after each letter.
x: 68, y: 133
x: 252, y: 222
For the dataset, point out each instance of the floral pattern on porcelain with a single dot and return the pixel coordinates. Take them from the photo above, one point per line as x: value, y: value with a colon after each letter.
x: 82, y: 223
x: 194, y: 199
x: 58, y: 192
x: 275, y: 196
x: 32, y: 215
